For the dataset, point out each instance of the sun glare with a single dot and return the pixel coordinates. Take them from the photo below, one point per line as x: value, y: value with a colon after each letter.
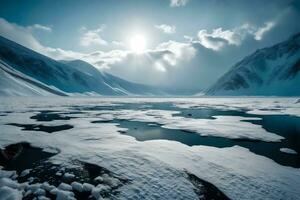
x: 137, y: 43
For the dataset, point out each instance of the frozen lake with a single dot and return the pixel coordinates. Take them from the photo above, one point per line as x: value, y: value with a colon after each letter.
x: 150, y: 148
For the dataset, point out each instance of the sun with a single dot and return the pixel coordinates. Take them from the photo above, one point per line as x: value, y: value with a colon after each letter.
x: 137, y: 43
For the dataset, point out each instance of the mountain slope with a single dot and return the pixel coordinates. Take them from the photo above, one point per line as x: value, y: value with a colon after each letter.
x: 14, y: 83
x: 64, y: 77
x: 268, y: 71
x: 114, y: 82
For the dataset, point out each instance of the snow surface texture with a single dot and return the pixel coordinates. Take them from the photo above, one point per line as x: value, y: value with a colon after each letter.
x: 268, y: 71
x: 155, y: 167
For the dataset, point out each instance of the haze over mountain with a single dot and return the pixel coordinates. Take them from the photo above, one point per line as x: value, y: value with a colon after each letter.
x: 25, y: 72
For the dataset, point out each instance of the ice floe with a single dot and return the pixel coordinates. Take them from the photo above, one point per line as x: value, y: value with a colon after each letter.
x: 288, y: 151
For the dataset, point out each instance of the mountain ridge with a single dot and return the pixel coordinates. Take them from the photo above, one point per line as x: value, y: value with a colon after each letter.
x: 268, y: 71
x: 65, y: 77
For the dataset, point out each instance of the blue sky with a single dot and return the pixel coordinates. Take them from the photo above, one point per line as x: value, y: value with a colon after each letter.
x: 189, y: 43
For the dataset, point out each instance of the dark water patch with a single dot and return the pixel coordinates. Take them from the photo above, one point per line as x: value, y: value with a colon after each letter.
x: 44, y: 128
x: 288, y: 127
x: 284, y: 125
x: 142, y: 131
x: 47, y: 116
x: 95, y: 108
x: 209, y: 113
x: 5, y: 113
x: 22, y: 156
x: 205, y: 190
x: 101, y: 121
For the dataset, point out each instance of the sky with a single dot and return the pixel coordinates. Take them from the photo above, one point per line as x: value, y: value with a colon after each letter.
x: 180, y: 44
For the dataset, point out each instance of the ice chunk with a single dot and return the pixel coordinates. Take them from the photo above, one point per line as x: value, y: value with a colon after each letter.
x: 7, y: 193
x: 64, y: 195
x: 99, y: 179
x: 87, y: 187
x: 25, y: 172
x: 9, y: 182
x: 7, y: 174
x: 64, y: 186
x: 69, y: 175
x: 288, y: 151
x: 40, y: 192
x: 77, y: 186
x: 47, y: 186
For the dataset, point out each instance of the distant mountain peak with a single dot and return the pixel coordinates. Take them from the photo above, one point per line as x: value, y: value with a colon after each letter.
x: 269, y: 71
x: 66, y: 77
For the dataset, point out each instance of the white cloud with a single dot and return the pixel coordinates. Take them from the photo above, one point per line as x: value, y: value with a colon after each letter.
x: 180, y: 51
x: 92, y: 37
x: 23, y: 35
x: 219, y: 38
x: 166, y: 28
x: 19, y: 34
x: 178, y: 3
x: 40, y: 27
x: 211, y: 40
x: 262, y: 30
x: 103, y: 60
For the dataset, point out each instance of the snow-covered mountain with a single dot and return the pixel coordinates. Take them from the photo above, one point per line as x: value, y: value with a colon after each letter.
x: 268, y: 71
x: 14, y: 83
x: 48, y: 76
x: 116, y: 83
